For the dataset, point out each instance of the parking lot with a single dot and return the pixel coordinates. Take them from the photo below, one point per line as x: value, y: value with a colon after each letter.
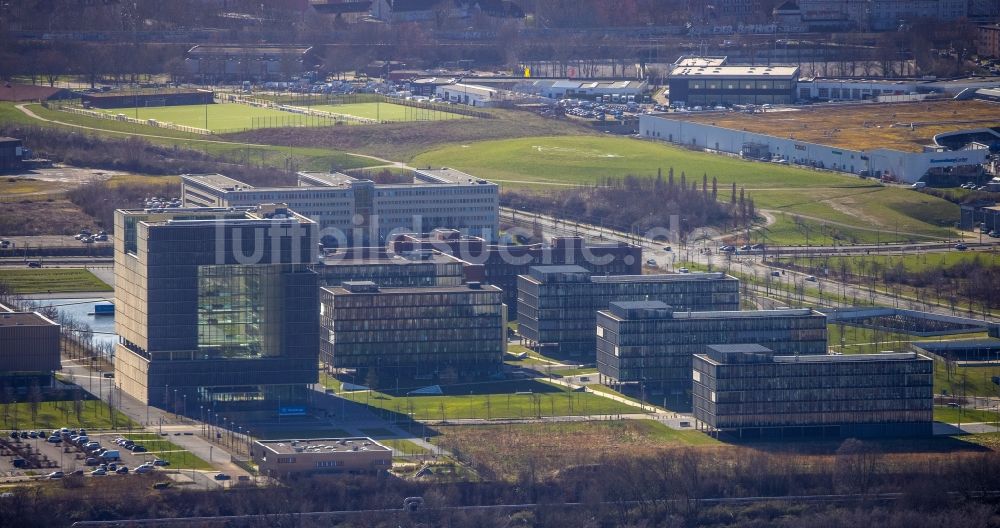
x: 39, y: 456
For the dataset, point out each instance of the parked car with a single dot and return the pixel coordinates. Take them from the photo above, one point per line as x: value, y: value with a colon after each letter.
x: 651, y: 262
x: 55, y: 439
x: 811, y: 278
x: 144, y: 469
x: 55, y: 475
x: 122, y: 470
x: 161, y: 462
x: 961, y: 247
x: 35, y: 264
x: 222, y: 476
x: 684, y: 270
x: 99, y: 472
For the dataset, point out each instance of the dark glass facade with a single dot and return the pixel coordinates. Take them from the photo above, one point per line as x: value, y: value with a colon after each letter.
x: 216, y: 308
x: 756, y: 393
x: 648, y: 342
x: 500, y: 264
x: 559, y: 304
x: 411, y: 269
x: 414, y: 332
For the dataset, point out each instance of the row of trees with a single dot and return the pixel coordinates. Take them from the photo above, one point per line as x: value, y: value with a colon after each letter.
x: 639, y: 204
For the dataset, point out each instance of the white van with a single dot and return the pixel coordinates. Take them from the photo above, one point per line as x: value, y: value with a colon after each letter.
x: 111, y: 454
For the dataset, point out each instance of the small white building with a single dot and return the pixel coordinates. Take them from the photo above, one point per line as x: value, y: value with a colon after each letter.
x: 473, y: 95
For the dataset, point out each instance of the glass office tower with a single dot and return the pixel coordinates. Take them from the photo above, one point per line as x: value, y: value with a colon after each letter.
x: 414, y: 333
x: 217, y: 309
x: 749, y: 391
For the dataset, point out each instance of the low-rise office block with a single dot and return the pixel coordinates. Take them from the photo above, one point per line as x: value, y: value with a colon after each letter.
x: 651, y: 343
x: 749, y: 391
x: 558, y: 304
x: 284, y: 458
x: 413, y: 333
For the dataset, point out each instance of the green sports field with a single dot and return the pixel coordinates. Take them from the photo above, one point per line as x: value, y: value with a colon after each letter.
x: 225, y: 117
x: 552, y: 163
x: 388, y: 112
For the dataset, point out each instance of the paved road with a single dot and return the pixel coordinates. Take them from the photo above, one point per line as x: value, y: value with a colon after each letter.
x: 706, y: 253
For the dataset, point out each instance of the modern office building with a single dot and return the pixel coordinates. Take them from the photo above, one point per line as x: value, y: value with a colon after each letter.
x: 361, y: 212
x: 650, y: 343
x: 409, y: 269
x: 29, y: 348
x: 558, y: 304
x: 712, y: 85
x: 749, y: 391
x: 284, y: 458
x: 500, y: 264
x: 216, y: 308
x: 413, y: 333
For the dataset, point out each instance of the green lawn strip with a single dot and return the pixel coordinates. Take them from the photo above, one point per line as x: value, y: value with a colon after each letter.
x: 659, y: 432
x: 330, y: 382
x: 304, y: 158
x: 388, y: 112
x: 787, y: 231
x: 158, y: 447
x: 911, y: 262
x: 94, y: 415
x: 406, y: 447
x: 967, y: 381
x: 57, y: 280
x: 957, y: 415
x: 221, y: 118
x: 506, y: 399
x: 588, y: 159
x: 596, y: 387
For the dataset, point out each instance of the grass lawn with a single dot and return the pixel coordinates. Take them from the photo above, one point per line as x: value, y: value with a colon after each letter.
x: 552, y: 163
x: 956, y: 415
x: 911, y: 262
x: 968, y: 381
x: 158, y: 447
x: 536, y: 161
x: 388, y: 112
x: 60, y: 280
x: 94, y: 415
x: 303, y: 158
x: 502, y: 399
x: 225, y: 117
x: 404, y: 446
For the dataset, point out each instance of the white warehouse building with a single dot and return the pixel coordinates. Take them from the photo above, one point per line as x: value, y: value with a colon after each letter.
x: 908, y: 167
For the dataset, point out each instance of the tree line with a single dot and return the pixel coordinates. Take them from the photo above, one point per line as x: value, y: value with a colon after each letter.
x: 638, y: 204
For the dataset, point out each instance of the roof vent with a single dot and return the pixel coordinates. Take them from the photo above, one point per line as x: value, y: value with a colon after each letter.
x: 475, y: 285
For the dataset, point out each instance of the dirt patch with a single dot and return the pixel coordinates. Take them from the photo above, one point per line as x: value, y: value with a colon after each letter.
x: 42, y: 217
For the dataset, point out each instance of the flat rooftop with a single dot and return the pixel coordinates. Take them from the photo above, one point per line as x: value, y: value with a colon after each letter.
x: 830, y: 358
x: 343, y: 289
x: 24, y: 319
x: 217, y: 181
x: 689, y: 61
x: 725, y: 72
x: 333, y: 179
x: 322, y: 445
x: 445, y: 175
x: 863, y: 126
x: 335, y: 258
x: 743, y: 314
x: 203, y: 215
